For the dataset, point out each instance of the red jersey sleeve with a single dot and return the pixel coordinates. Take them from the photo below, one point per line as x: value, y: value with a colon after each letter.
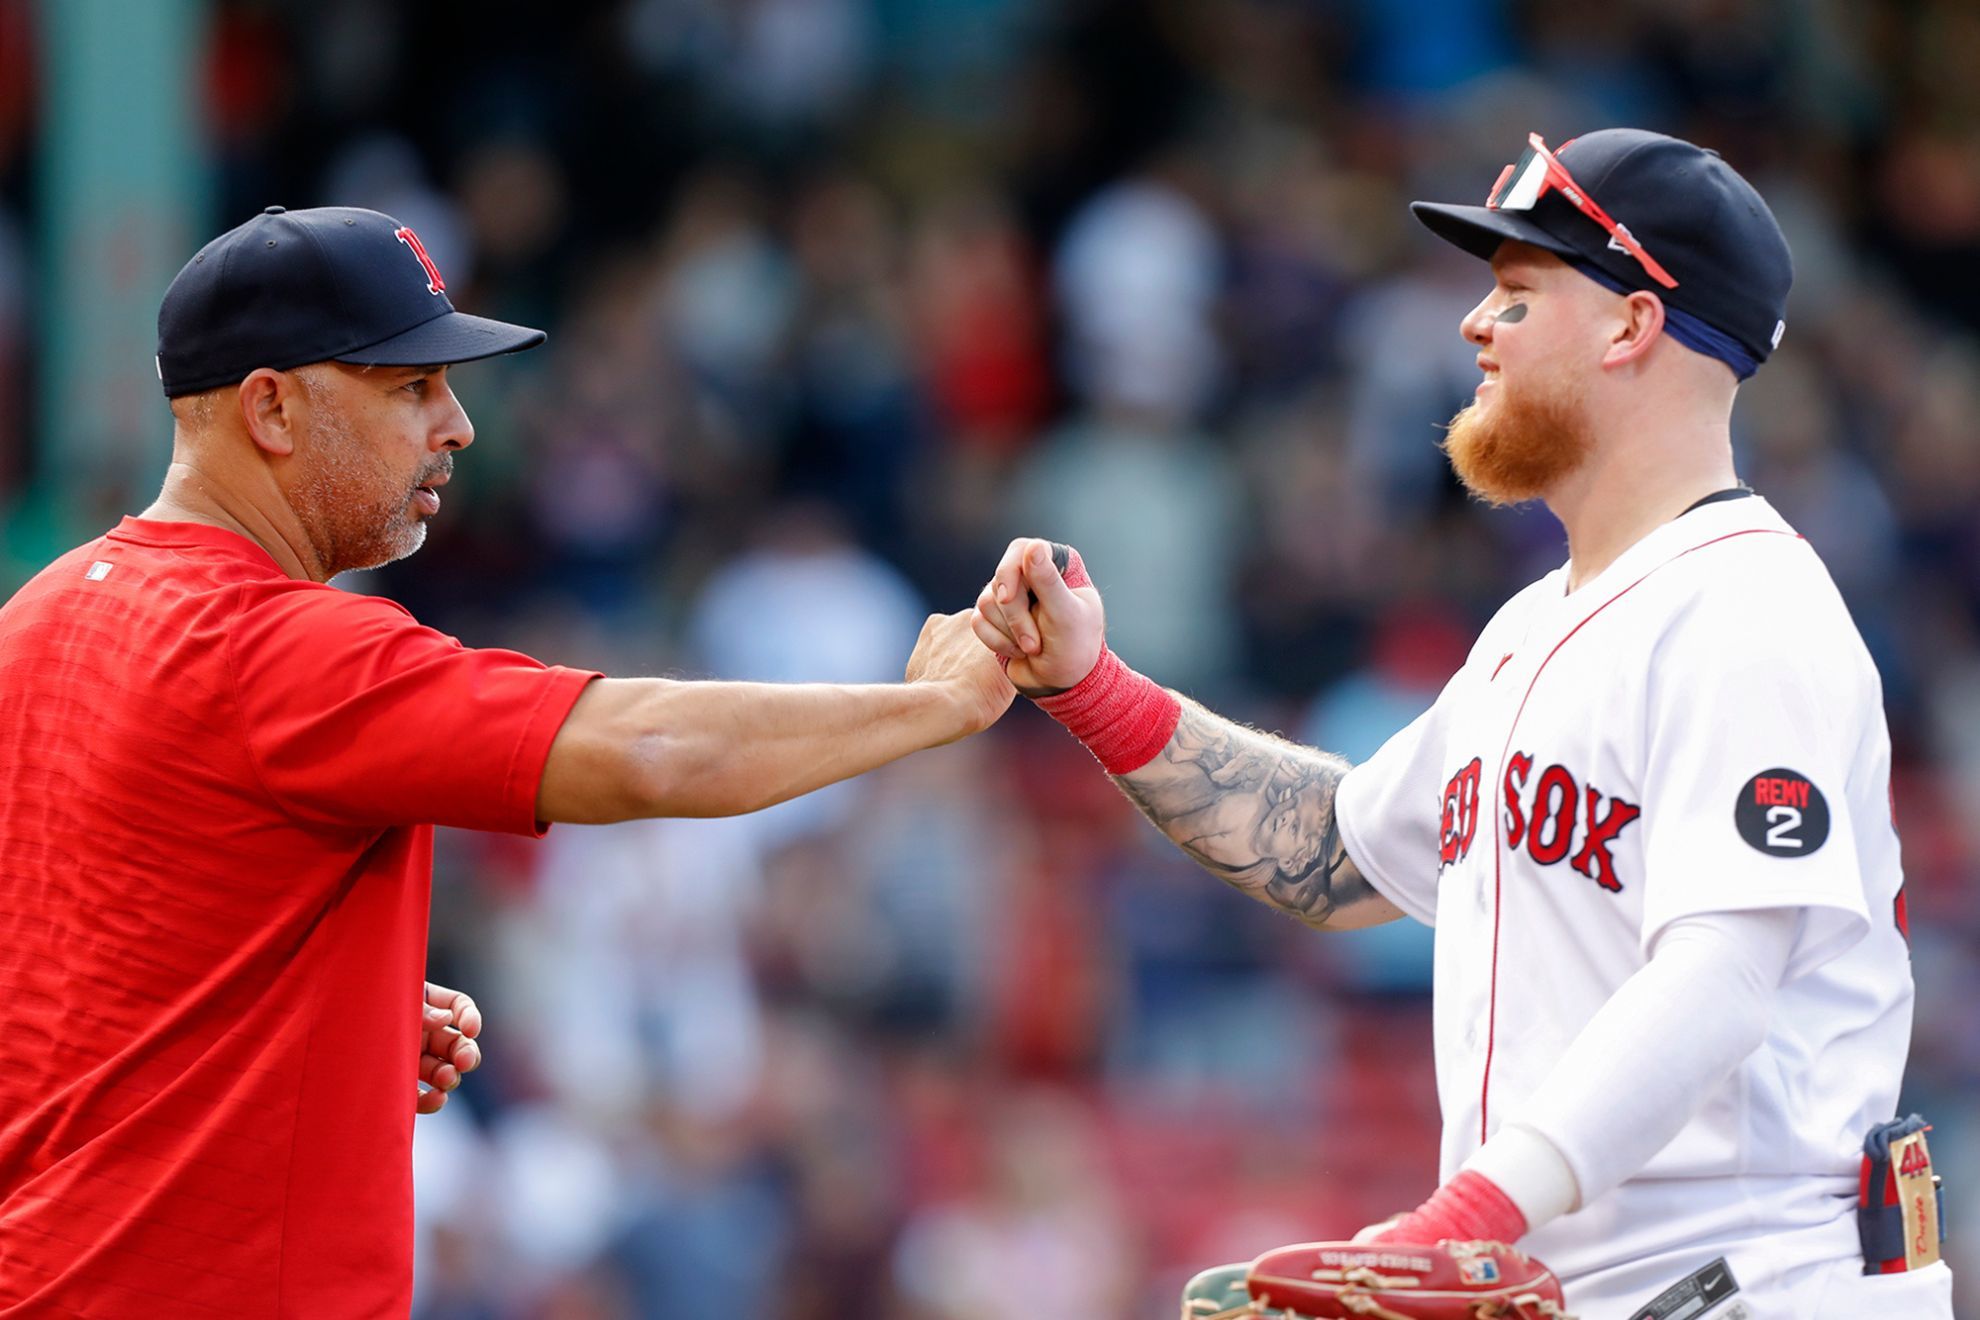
x: 358, y: 715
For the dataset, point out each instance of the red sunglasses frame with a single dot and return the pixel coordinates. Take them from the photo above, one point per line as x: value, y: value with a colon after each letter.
x: 1558, y: 179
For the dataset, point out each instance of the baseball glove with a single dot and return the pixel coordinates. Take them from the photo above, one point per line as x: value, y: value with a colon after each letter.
x: 1219, y: 1294
x: 1391, y: 1281
x: 1406, y: 1281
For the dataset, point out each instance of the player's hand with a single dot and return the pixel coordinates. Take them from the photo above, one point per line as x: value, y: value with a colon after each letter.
x: 946, y: 653
x: 449, y: 1023
x: 1050, y: 633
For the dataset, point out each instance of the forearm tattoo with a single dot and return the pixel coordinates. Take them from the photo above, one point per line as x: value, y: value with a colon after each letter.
x: 1255, y: 811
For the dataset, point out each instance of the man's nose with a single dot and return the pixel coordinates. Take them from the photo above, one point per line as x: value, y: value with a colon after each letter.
x: 457, y: 432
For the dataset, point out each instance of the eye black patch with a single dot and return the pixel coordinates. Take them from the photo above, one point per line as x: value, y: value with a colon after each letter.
x: 1512, y: 314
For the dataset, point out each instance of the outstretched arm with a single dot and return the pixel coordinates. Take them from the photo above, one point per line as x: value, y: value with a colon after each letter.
x: 635, y: 747
x: 1254, y: 810
x: 1257, y: 812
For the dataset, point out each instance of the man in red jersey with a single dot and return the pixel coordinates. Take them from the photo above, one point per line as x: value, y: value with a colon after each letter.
x: 219, y: 778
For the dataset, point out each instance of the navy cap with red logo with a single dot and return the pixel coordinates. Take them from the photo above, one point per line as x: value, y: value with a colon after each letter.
x: 1638, y: 210
x: 333, y: 283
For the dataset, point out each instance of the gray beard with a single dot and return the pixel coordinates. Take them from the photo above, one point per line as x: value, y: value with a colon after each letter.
x: 354, y: 523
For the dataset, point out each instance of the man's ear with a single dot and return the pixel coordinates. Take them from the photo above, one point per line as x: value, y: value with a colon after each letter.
x: 1640, y: 325
x: 270, y: 402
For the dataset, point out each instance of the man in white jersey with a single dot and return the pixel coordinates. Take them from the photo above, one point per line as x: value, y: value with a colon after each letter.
x: 1650, y: 816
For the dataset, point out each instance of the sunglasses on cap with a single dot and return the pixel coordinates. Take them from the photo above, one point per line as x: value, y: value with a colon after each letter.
x: 1523, y: 183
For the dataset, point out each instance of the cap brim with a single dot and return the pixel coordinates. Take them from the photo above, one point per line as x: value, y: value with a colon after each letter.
x: 447, y: 338
x: 1479, y: 229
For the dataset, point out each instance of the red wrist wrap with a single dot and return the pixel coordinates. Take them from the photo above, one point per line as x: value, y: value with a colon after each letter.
x: 1468, y: 1208
x: 1121, y: 716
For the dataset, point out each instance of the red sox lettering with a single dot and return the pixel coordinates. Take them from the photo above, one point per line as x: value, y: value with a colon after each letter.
x: 1460, y: 821
x: 1547, y: 816
x: 1544, y: 813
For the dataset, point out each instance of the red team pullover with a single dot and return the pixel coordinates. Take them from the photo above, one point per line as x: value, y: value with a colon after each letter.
x: 217, y: 785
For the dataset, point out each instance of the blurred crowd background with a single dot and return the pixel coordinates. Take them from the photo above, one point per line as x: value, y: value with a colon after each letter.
x: 842, y: 295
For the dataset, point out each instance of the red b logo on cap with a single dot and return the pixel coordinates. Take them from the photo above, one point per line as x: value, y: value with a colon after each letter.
x: 434, y: 284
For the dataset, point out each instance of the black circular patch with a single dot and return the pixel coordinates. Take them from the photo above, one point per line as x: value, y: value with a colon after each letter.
x: 1782, y: 813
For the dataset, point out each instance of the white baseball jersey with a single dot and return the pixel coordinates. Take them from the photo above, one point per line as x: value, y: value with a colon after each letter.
x: 1698, y: 729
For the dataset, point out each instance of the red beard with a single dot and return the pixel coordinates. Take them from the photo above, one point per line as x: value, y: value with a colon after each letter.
x: 1518, y: 448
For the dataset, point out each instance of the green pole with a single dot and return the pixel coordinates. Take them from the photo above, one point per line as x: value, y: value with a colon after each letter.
x: 123, y: 194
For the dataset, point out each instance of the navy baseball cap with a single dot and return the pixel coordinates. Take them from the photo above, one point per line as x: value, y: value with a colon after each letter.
x: 334, y: 283
x: 1717, y: 245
